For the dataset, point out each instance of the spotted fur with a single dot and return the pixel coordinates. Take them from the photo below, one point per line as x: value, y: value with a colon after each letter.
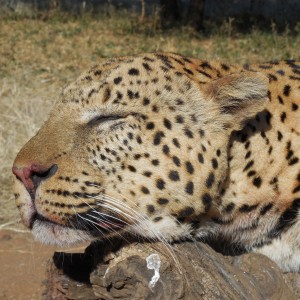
x: 168, y: 147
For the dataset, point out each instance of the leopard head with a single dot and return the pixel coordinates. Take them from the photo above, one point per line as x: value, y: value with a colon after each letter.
x: 138, y: 145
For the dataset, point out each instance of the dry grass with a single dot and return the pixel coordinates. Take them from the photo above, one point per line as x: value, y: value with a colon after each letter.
x: 37, y: 58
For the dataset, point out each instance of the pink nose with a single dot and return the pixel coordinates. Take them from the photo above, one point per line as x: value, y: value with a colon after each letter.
x: 32, y: 175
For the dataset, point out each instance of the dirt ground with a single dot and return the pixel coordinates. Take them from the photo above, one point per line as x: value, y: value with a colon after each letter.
x: 23, y: 265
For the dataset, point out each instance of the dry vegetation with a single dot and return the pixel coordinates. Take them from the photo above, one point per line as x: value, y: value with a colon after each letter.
x: 38, y: 57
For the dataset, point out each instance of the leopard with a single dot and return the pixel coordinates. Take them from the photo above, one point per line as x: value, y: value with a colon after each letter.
x: 167, y: 147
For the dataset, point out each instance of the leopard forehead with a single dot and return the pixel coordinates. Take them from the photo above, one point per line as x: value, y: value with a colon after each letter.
x: 147, y: 82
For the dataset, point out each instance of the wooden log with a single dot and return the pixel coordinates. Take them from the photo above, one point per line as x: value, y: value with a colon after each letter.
x: 153, y: 271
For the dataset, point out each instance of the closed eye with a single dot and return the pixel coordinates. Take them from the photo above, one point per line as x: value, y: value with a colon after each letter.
x: 102, y: 119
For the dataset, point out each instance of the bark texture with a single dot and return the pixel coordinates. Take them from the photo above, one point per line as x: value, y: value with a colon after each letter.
x: 152, y: 271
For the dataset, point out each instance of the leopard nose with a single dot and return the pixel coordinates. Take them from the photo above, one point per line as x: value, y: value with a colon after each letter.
x: 32, y: 175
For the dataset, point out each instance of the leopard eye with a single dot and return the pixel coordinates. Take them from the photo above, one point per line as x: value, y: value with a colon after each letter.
x: 102, y: 119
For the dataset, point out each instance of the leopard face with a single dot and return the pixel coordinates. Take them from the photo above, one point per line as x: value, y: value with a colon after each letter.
x: 168, y: 147
x: 138, y: 145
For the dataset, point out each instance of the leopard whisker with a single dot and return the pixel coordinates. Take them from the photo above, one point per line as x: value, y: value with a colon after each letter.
x: 140, y: 218
x: 101, y: 213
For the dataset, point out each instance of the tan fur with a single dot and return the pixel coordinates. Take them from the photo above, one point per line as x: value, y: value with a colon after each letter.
x: 170, y: 147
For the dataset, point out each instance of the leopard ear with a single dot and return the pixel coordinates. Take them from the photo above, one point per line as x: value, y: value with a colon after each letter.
x: 239, y: 97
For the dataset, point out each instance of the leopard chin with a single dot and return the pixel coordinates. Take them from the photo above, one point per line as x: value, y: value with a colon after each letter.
x: 58, y: 235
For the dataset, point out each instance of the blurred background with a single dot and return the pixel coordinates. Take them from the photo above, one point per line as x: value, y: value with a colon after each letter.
x: 45, y: 44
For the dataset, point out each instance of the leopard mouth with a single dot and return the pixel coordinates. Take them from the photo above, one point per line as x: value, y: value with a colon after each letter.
x: 96, y: 224
x: 78, y: 228
x: 52, y: 233
x: 88, y: 222
x: 39, y: 217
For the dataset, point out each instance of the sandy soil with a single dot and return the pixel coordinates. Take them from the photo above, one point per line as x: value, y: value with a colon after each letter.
x: 23, y: 266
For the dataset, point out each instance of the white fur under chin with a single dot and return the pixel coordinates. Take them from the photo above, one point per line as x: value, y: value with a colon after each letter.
x: 52, y: 234
x: 167, y: 229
